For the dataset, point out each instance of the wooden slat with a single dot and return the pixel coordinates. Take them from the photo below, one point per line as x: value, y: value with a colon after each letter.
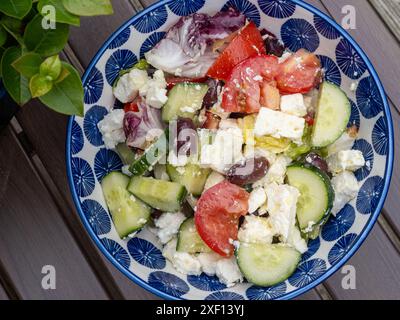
x: 3, y: 294
x: 389, y: 10
x: 377, y: 271
x: 33, y: 234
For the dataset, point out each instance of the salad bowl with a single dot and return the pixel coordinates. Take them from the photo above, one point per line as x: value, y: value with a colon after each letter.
x: 298, y: 25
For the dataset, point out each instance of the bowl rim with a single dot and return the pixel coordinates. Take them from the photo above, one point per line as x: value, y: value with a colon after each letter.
x: 357, y: 242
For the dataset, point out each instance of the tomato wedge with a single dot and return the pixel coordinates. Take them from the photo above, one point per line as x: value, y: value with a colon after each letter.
x: 217, y: 216
x: 247, y: 43
x: 131, y: 106
x: 299, y: 73
x: 242, y: 92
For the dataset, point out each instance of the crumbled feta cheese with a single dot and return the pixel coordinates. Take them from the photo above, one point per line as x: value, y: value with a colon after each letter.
x: 257, y: 199
x: 296, y: 241
x: 188, y: 109
x: 225, y: 151
x: 125, y: 170
x: 182, y: 261
x: 279, y: 125
x: 209, y: 262
x: 128, y: 85
x: 228, y: 272
x: 294, y: 104
x: 168, y: 224
x: 213, y: 179
x: 228, y: 123
x: 350, y: 160
x: 177, y: 161
x: 276, y: 172
x: 251, y: 152
x: 256, y: 230
x: 346, y: 189
x: 112, y: 128
x: 345, y: 142
x: 281, y: 205
x: 155, y: 90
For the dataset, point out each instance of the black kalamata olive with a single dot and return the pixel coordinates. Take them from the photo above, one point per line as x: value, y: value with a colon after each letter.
x: 317, y: 161
x: 214, y: 89
x: 272, y: 44
x: 186, y: 136
x: 248, y: 172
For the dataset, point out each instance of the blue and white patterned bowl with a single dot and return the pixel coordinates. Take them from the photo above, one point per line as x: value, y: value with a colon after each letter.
x: 300, y: 26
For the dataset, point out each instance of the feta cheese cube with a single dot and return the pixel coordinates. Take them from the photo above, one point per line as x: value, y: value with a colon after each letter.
x: 276, y: 172
x: 225, y: 151
x: 346, y: 189
x: 209, y: 262
x: 156, y: 97
x: 256, y: 230
x: 112, y: 128
x: 279, y: 125
x: 296, y: 241
x: 183, y: 262
x: 294, y: 104
x: 128, y: 85
x: 345, y: 142
x: 213, y: 179
x: 281, y: 205
x: 257, y: 199
x: 168, y: 225
x: 350, y: 160
x: 179, y: 160
x: 228, y: 123
x: 228, y: 272
x: 251, y: 152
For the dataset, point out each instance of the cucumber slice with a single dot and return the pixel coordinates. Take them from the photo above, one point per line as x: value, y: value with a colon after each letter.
x: 151, y: 156
x: 125, y: 153
x: 191, y: 176
x: 189, y: 239
x: 159, y: 194
x: 316, y: 193
x: 128, y: 213
x: 267, y: 264
x: 332, y: 117
x: 184, y: 100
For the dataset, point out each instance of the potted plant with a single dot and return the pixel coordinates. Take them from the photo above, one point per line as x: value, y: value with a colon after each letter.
x: 32, y: 34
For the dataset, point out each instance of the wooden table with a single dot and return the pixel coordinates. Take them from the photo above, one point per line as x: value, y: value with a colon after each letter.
x: 40, y: 226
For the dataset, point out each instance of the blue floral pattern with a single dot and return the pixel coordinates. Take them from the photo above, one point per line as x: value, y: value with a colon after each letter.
x: 224, y: 295
x: 76, y: 138
x: 168, y: 283
x: 150, y: 42
x: 340, y: 248
x: 299, y: 33
x: 368, y: 98
x: 106, y: 161
x: 354, y: 116
x: 369, y: 195
x: 97, y: 216
x: 151, y: 21
x: 145, y: 253
x: 277, y: 8
x: 307, y: 272
x: 364, y: 146
x: 120, y: 60
x: 380, y: 139
x: 92, y: 118
x: 331, y: 70
x: 93, y: 87
x: 339, y: 225
x: 349, y: 61
x: 83, y: 177
x: 205, y: 282
x: 325, y: 28
x: 313, y: 246
x: 117, y: 252
x: 266, y: 293
x: 186, y: 7
x: 121, y: 39
x: 245, y: 7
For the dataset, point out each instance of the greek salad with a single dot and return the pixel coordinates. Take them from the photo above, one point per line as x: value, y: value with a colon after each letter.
x: 236, y: 150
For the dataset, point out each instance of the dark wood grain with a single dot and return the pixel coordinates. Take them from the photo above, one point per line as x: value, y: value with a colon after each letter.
x: 33, y: 234
x: 389, y: 10
x: 3, y: 294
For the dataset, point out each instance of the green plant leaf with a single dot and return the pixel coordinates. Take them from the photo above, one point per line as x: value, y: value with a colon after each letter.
x: 62, y: 15
x: 64, y: 73
x: 28, y: 64
x: 89, y: 7
x: 1, y: 56
x: 16, y: 84
x: 46, y: 42
x: 14, y: 27
x: 3, y: 36
x: 51, y: 67
x: 40, y: 85
x: 16, y: 8
x: 66, y: 96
